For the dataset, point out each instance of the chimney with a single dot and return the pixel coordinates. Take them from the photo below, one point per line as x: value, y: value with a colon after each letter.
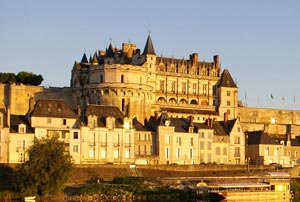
x: 194, y: 59
x: 191, y: 120
x: 209, y: 122
x: 226, y: 121
x: 78, y: 110
x: 217, y: 61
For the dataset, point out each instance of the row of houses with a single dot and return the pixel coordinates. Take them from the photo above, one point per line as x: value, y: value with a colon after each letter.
x: 102, y: 134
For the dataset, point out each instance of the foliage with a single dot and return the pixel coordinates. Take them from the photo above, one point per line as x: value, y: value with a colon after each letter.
x: 29, y: 78
x: 7, y: 78
x: 22, y: 77
x: 7, y: 181
x: 47, y: 169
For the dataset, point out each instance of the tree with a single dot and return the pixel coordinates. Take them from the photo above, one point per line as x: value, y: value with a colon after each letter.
x: 29, y: 78
x: 48, y: 168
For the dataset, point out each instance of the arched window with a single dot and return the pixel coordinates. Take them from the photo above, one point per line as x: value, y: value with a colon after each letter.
x: 122, y: 78
x: 194, y: 102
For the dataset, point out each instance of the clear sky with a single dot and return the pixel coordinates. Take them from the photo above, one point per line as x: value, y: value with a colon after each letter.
x: 257, y: 40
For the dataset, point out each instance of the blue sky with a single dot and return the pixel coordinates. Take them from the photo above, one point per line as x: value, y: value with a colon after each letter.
x: 258, y: 41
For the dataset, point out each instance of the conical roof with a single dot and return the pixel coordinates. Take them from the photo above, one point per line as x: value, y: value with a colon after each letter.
x: 226, y: 80
x: 84, y: 59
x: 110, y: 51
x: 149, y: 49
x: 95, y: 59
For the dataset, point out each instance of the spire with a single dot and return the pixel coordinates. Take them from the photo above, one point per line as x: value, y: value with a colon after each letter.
x: 95, y: 59
x: 226, y: 80
x: 84, y: 59
x: 149, y: 49
x: 110, y: 51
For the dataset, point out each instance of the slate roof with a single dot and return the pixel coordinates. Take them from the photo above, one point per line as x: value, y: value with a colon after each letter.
x: 149, y: 49
x: 138, y: 125
x: 53, y: 108
x: 190, y: 111
x: 180, y: 124
x: 110, y: 51
x: 84, y: 59
x: 102, y: 112
x: 15, y: 120
x: 226, y: 80
x: 259, y: 137
x: 219, y: 129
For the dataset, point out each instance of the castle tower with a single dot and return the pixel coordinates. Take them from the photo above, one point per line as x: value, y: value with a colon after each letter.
x: 227, y: 96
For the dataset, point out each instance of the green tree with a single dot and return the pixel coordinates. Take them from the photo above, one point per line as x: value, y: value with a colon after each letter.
x: 48, y: 168
x: 29, y: 78
x: 7, y: 78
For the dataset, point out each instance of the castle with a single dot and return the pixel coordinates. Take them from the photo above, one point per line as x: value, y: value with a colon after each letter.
x: 128, y: 106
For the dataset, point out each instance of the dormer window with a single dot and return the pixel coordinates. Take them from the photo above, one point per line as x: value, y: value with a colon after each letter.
x: 22, y: 128
x: 110, y: 122
x: 92, y: 121
x: 127, y: 123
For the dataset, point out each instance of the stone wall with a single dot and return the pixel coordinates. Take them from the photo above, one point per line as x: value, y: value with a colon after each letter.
x: 273, y: 121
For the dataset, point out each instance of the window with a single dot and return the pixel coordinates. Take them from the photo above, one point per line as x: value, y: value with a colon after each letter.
x: 178, y: 141
x: 183, y: 87
x: 122, y: 78
x: 75, y: 148
x: 75, y: 135
x: 162, y: 86
x: 201, y: 145
x: 127, y: 153
x: 191, y: 154
x: 178, y: 153
x: 267, y: 151
x: 21, y: 157
x: 64, y: 122
x: 228, y: 111
x: 237, y: 140
x: 218, y: 151
x: 202, y: 135
x: 296, y: 153
x: 21, y: 129
x: 237, y: 152
x: 239, y: 129
x: 92, y: 139
x: 103, y: 153
x: 209, y: 145
x: 276, y: 152
x: 192, y: 141
x: 117, y: 140
x: 92, y: 153
x: 228, y: 103
x: 224, y: 151
x: 104, y: 140
x: 48, y: 121
x: 204, y: 88
x: 127, y: 140
x: 167, y: 153
x: 228, y: 93
x: 123, y: 104
x: 116, y: 153
x: 167, y: 139
x: 173, y: 86
x: 194, y: 88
